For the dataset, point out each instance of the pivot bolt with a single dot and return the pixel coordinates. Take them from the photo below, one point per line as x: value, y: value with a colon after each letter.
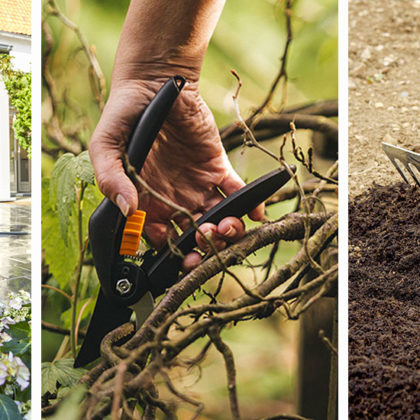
x: 123, y: 286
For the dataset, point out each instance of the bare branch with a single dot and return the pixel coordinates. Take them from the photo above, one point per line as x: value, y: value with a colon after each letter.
x: 227, y: 354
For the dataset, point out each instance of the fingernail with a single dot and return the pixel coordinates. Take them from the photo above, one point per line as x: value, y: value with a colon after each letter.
x: 123, y: 205
x: 230, y: 232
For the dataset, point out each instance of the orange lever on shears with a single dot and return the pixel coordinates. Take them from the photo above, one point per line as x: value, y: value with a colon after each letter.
x: 132, y: 233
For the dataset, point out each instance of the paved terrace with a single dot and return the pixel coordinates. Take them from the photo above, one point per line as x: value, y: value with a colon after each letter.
x: 15, y: 247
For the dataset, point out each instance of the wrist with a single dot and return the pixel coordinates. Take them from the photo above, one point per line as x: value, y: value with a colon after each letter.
x: 160, y: 38
x: 158, y: 68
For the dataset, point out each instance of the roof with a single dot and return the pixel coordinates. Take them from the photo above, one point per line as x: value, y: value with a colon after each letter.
x: 15, y: 16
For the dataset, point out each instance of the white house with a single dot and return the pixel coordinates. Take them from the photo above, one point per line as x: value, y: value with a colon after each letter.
x: 15, y: 39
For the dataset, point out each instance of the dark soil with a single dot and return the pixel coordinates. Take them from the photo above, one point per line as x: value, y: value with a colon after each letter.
x: 384, y: 303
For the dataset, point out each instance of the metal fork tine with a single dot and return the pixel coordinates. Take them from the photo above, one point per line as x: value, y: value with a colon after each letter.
x: 397, y: 165
x: 398, y: 155
x: 413, y: 175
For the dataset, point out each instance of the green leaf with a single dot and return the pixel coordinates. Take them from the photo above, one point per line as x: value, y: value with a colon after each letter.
x: 8, y: 409
x: 20, y: 331
x: 62, y: 392
x: 69, y: 409
x: 91, y: 199
x: 63, y: 190
x: 61, y: 257
x: 61, y: 253
x: 61, y: 372
x: 68, y: 175
x: 20, y: 344
x: 17, y: 347
x: 18, y: 85
x: 83, y: 169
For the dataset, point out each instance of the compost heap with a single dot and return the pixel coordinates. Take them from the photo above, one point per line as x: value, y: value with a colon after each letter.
x: 384, y: 303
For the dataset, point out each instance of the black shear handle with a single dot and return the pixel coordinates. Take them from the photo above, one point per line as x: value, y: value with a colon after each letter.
x: 151, y: 121
x: 163, y: 273
x: 107, y: 222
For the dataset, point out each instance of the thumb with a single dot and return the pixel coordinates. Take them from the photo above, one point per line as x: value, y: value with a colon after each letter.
x: 110, y: 176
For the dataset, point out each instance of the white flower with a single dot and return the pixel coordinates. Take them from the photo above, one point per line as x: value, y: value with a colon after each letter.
x: 13, y: 369
x: 22, y: 374
x: 4, y: 337
x: 6, y: 321
x: 15, y: 303
x: 3, y: 373
x: 25, y: 296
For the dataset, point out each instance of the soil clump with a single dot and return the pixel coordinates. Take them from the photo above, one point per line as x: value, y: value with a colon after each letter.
x: 384, y: 303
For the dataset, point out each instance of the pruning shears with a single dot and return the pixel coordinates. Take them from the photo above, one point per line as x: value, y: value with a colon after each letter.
x: 131, y: 284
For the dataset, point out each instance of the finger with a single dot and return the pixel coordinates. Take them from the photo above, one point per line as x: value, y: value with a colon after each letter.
x: 111, y: 178
x: 191, y: 260
x: 258, y: 213
x: 112, y: 132
x: 231, y: 228
x: 210, y: 232
x: 233, y: 183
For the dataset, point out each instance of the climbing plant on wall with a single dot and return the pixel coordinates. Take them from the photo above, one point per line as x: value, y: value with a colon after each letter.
x: 18, y: 85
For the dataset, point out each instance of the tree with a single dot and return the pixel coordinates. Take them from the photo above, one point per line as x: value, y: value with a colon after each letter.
x: 19, y: 86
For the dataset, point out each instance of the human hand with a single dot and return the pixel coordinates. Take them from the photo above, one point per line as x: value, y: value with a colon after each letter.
x: 187, y: 165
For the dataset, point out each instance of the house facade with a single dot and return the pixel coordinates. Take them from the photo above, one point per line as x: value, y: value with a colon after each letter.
x: 15, y: 39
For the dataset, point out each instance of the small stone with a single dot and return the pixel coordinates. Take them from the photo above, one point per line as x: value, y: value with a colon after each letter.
x: 389, y: 139
x: 379, y: 105
x: 360, y: 138
x: 366, y: 54
x: 389, y: 60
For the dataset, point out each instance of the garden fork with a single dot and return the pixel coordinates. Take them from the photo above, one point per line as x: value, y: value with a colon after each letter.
x: 400, y: 156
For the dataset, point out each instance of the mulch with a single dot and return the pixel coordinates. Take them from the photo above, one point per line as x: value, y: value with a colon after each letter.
x: 384, y: 303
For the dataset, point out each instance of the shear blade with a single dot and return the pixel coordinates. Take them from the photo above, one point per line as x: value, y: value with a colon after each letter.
x: 143, y: 308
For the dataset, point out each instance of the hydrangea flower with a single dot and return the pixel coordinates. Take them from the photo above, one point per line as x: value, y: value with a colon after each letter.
x: 12, y: 369
x: 4, y: 337
x: 14, y: 374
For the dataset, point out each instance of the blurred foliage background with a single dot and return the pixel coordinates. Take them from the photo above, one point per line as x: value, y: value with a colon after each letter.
x: 249, y: 38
